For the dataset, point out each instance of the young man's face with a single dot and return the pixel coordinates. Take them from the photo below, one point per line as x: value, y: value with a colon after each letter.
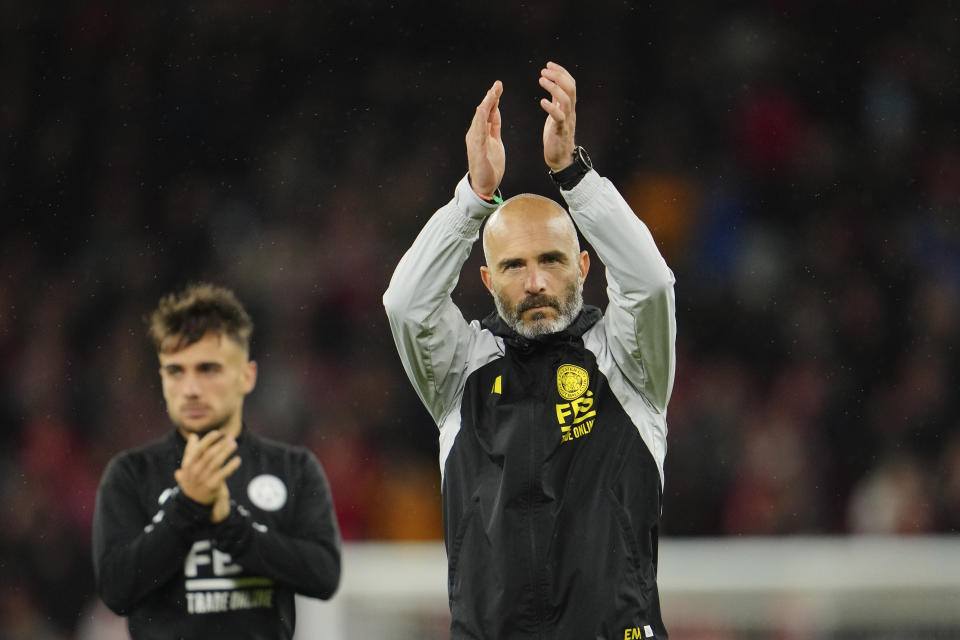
x: 204, y: 384
x: 534, y: 269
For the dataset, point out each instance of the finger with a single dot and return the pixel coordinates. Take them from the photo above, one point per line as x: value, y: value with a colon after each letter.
x: 204, y: 462
x: 487, y: 105
x: 494, y: 93
x: 561, y: 76
x: 190, y: 451
x: 488, y: 102
x: 226, y: 470
x: 216, y: 455
x: 477, y: 127
x: 561, y: 88
x: 207, y: 441
x: 553, y: 110
x: 497, y: 91
x: 558, y: 93
x: 553, y: 66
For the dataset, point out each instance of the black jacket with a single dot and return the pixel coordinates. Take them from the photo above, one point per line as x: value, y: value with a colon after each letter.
x: 551, y: 449
x: 159, y: 560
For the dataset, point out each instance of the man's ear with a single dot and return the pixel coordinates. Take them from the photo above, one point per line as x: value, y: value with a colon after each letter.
x: 487, y: 280
x: 249, y: 377
x: 583, y: 262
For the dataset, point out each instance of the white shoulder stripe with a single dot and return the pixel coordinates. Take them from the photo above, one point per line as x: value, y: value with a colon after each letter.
x: 650, y: 423
x: 486, y: 348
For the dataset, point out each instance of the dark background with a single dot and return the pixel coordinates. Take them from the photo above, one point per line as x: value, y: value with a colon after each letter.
x: 798, y: 163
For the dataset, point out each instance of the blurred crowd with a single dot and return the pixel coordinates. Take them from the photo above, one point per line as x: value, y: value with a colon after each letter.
x: 799, y: 165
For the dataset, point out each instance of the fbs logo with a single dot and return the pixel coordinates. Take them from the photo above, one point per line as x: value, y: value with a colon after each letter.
x: 576, y: 417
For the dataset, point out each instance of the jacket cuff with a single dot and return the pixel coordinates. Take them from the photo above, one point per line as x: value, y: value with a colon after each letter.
x: 186, y: 515
x: 585, y: 190
x: 469, y: 210
x: 234, y: 532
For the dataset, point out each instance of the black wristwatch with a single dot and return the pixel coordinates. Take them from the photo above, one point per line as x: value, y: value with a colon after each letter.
x: 569, y: 177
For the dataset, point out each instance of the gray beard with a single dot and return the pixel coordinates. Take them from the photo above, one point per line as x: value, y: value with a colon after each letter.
x: 567, y: 311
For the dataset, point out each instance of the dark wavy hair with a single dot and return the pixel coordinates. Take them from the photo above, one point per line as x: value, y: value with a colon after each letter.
x: 183, y: 318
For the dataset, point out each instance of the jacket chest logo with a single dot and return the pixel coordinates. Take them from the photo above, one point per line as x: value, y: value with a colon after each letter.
x: 577, y: 415
x: 572, y: 381
x: 267, y: 492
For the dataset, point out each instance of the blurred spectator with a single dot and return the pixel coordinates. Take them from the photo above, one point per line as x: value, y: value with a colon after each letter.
x: 895, y: 497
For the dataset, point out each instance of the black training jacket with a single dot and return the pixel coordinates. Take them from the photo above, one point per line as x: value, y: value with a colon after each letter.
x: 551, y: 450
x: 159, y: 560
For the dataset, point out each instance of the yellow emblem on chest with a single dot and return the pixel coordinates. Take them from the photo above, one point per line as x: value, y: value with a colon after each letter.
x: 572, y: 381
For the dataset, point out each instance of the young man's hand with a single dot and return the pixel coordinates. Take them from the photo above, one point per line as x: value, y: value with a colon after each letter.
x: 205, y: 467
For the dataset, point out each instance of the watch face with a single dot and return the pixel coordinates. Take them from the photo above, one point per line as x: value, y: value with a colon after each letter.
x: 581, y: 155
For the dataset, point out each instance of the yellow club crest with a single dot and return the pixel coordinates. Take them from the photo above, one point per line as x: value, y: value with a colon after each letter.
x: 572, y: 381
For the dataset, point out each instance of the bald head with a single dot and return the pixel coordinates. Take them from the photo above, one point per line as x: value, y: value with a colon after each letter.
x: 527, y: 215
x: 535, y: 269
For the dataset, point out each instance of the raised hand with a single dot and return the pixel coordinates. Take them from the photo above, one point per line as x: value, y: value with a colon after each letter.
x: 486, y: 157
x: 205, y: 468
x: 561, y: 124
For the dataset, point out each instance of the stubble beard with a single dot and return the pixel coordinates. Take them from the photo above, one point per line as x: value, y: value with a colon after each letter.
x: 567, y: 310
x: 218, y: 422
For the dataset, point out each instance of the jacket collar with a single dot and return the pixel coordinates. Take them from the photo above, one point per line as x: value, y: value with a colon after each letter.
x: 587, y: 317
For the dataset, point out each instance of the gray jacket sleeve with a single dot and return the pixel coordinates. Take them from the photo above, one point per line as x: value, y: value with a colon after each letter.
x: 432, y: 337
x: 640, y: 320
